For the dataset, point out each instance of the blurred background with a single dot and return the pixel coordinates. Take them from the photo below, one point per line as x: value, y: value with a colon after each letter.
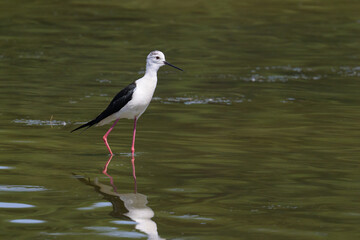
x: 257, y: 139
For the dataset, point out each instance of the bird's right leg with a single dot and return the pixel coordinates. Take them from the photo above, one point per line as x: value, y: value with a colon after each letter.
x: 106, y: 134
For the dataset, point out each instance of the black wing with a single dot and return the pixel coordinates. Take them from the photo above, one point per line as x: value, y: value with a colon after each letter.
x: 118, y: 102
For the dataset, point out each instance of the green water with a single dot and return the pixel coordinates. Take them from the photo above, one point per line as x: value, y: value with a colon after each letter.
x: 257, y: 139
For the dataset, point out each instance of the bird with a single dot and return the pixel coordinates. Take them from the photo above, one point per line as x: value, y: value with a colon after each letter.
x: 132, y: 101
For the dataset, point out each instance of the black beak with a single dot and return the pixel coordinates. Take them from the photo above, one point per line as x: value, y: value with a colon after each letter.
x: 172, y: 66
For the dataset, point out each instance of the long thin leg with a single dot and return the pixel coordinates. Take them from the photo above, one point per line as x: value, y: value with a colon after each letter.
x: 134, y: 133
x: 106, y: 134
x: 133, y: 149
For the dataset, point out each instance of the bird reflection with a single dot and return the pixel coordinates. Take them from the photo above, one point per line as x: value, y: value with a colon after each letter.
x: 134, y: 203
x: 133, y: 167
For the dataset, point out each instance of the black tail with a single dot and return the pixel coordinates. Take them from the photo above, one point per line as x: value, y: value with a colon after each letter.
x: 89, y: 124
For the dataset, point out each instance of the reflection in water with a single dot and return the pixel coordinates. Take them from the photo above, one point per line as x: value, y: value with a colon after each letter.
x: 135, y: 204
x: 27, y: 221
x: 15, y: 205
x: 133, y: 167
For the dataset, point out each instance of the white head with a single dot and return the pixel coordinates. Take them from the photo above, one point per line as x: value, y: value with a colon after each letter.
x: 156, y: 59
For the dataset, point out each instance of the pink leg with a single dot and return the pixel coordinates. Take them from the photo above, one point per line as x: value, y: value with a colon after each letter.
x: 133, y: 150
x: 133, y: 141
x: 107, y: 164
x: 133, y: 161
x: 105, y: 137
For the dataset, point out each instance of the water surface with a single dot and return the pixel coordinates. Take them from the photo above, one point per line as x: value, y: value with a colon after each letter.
x: 257, y: 139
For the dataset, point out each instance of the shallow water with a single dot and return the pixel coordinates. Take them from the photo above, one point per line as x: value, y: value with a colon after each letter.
x: 257, y: 139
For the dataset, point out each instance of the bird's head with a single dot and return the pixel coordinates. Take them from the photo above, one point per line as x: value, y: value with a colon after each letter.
x: 157, y: 59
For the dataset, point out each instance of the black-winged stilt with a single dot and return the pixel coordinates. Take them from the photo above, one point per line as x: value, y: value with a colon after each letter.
x: 132, y: 101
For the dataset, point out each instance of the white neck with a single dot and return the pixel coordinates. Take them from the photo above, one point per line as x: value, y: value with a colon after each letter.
x: 151, y: 70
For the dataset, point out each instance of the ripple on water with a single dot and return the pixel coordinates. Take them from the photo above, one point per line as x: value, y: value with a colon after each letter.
x: 96, y: 205
x: 199, y: 100
x: 21, y: 188
x: 288, y: 73
x: 15, y: 205
x: 275, y: 74
x: 41, y: 122
x: 288, y: 100
x: 123, y: 222
x: 64, y: 234
x: 348, y: 71
x: 27, y: 221
x: 115, y: 232
x: 5, y: 167
x: 291, y: 232
x: 193, y: 217
x: 103, y: 80
x: 280, y: 74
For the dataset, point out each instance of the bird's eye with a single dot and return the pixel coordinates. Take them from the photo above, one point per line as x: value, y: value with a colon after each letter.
x: 157, y: 57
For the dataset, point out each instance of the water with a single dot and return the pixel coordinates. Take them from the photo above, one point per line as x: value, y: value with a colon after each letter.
x: 257, y: 139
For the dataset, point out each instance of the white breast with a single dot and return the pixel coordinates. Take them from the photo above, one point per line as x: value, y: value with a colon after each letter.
x: 141, y: 98
x: 144, y: 91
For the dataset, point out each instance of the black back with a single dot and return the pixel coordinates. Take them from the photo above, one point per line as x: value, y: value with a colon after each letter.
x: 118, y: 102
